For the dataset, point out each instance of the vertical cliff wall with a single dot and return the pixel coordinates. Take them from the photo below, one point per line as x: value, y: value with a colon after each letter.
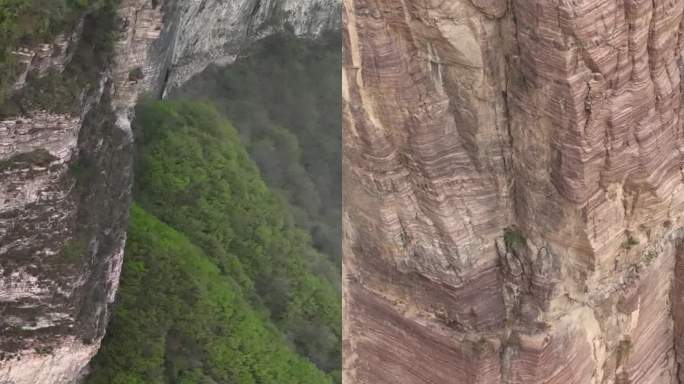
x: 512, y: 191
x: 66, y: 158
x: 199, y: 33
x: 64, y: 187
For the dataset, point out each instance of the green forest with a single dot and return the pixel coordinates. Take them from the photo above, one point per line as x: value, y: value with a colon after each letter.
x: 231, y: 270
x: 284, y: 98
x: 181, y: 320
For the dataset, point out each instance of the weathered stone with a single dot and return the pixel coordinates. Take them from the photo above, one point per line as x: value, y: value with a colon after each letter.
x: 44, y: 57
x: 198, y: 33
x: 62, y: 234
x: 463, y: 119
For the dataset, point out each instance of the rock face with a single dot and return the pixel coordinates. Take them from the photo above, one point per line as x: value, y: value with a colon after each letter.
x: 64, y: 194
x: 198, y: 33
x: 46, y: 56
x: 65, y: 177
x: 513, y: 192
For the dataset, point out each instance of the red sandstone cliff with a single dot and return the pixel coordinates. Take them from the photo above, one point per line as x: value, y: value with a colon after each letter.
x: 513, y: 191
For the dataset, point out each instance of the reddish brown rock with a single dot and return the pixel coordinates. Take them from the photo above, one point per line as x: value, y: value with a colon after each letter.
x: 513, y: 191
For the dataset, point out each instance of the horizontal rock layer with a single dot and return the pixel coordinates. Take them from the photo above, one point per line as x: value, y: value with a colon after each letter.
x: 65, y: 178
x: 512, y: 191
x: 64, y: 196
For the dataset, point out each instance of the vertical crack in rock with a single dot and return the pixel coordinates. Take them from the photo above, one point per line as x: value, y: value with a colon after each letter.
x: 677, y: 302
x: 512, y: 191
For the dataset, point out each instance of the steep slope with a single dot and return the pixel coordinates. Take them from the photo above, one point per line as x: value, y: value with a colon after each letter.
x: 65, y: 159
x: 194, y: 174
x: 198, y: 33
x: 512, y: 191
x: 65, y: 183
x: 205, y: 332
x: 283, y: 96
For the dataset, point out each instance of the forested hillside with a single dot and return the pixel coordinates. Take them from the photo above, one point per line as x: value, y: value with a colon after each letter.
x: 283, y: 96
x: 218, y: 285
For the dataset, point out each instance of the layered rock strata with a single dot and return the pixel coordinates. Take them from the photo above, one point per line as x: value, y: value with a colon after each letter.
x: 65, y: 182
x: 53, y: 56
x: 513, y: 191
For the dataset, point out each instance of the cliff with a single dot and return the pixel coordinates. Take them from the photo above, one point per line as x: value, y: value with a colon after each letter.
x: 66, y: 175
x: 66, y: 159
x: 513, y: 192
x: 199, y: 33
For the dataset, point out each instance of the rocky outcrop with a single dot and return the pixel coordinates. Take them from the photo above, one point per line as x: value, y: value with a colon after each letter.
x: 512, y: 191
x: 65, y: 190
x: 53, y: 56
x: 199, y: 33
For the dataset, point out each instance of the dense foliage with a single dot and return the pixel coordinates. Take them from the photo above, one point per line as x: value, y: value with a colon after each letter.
x: 180, y: 320
x: 284, y: 98
x: 220, y: 284
x: 193, y: 174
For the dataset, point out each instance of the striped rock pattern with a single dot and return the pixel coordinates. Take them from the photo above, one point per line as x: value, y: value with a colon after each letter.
x: 513, y: 191
x: 65, y: 178
x: 65, y: 182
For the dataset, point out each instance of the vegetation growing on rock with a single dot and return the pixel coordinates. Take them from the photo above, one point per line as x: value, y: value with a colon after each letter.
x: 26, y: 23
x: 514, y: 238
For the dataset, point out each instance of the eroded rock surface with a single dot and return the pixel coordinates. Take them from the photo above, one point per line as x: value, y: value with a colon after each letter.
x: 198, y: 33
x: 64, y: 195
x: 513, y: 192
x: 52, y: 56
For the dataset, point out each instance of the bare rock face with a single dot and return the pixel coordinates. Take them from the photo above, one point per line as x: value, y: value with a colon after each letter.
x: 64, y: 194
x: 513, y: 192
x: 198, y: 33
